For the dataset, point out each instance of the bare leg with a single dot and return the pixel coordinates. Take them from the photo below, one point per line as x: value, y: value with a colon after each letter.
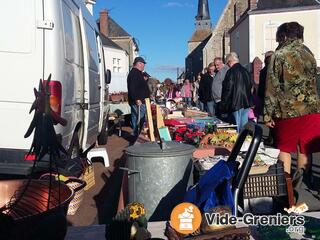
x: 302, y: 161
x: 286, y: 159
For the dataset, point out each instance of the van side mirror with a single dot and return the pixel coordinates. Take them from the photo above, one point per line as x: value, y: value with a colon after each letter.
x: 107, y: 76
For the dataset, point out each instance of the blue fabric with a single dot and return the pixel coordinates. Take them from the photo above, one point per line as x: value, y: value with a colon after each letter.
x: 206, y: 194
x: 134, y: 117
x: 200, y: 105
x: 187, y: 100
x: 210, y: 108
x: 241, y: 118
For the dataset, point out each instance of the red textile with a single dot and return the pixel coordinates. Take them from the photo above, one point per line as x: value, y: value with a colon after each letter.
x: 303, y: 131
x: 172, y: 122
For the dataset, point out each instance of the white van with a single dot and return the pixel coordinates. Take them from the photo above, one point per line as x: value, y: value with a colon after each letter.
x: 39, y: 38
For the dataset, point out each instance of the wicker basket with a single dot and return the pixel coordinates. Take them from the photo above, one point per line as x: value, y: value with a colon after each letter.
x: 77, y: 185
x: 88, y: 176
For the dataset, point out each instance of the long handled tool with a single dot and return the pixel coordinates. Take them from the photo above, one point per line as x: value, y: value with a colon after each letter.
x: 138, y: 120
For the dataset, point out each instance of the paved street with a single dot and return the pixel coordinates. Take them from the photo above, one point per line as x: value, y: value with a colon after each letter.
x: 100, y: 202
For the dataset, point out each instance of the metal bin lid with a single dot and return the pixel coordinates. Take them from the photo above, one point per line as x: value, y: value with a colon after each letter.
x: 164, y: 149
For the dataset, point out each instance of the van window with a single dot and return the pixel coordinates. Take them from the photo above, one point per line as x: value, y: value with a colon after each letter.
x: 93, y: 57
x: 17, y: 24
x: 72, y: 37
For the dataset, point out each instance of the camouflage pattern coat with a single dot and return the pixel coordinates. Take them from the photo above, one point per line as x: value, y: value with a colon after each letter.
x: 291, y: 83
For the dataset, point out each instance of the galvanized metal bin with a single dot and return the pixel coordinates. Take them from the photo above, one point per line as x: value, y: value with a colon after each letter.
x: 158, y: 176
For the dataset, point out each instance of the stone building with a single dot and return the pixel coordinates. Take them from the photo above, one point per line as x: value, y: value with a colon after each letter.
x: 220, y: 40
x: 197, y: 54
x: 206, y: 42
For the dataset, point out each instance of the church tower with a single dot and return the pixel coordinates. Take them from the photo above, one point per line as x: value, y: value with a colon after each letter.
x: 199, y: 53
x: 203, y: 20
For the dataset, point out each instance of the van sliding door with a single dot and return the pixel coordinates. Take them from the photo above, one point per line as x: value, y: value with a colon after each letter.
x: 92, y: 86
x: 72, y: 74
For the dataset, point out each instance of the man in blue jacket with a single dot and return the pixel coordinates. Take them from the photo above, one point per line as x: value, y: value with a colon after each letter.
x: 138, y: 91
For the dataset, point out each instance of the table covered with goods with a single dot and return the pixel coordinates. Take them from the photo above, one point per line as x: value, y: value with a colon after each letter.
x: 219, y: 173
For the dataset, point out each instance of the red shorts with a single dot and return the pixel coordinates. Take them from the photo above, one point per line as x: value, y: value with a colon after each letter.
x: 301, y: 131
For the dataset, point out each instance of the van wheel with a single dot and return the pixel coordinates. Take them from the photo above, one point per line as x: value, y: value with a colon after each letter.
x: 103, y: 136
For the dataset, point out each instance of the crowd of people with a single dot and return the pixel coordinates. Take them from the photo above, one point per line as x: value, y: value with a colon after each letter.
x: 286, y: 97
x: 226, y: 90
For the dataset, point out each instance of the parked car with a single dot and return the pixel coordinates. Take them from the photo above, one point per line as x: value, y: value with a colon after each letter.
x: 39, y: 38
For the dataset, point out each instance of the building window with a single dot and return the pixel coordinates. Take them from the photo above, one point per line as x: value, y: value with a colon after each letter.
x: 270, y: 30
x: 116, y: 65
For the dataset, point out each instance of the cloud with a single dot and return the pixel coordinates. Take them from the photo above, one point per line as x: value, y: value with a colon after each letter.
x: 177, y: 4
x: 167, y: 68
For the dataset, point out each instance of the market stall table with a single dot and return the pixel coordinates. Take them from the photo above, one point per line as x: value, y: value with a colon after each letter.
x: 120, y: 108
x: 117, y: 115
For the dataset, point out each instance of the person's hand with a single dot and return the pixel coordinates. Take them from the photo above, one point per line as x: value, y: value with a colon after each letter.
x: 270, y: 124
x: 138, y: 102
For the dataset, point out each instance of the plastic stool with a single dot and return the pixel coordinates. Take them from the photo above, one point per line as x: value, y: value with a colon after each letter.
x: 99, y: 152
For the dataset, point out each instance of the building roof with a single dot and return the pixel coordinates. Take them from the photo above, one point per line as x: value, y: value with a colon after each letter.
x: 288, y: 9
x: 200, y: 35
x: 203, y: 10
x: 274, y: 4
x: 182, y: 75
x: 115, y: 30
x: 200, y: 46
x: 109, y: 43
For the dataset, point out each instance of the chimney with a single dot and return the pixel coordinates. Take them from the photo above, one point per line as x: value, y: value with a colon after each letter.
x: 104, y: 27
x: 253, y: 4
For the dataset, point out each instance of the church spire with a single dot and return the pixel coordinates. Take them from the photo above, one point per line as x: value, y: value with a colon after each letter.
x: 203, y: 20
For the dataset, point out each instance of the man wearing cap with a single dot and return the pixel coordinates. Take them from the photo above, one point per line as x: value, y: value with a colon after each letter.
x: 138, y: 91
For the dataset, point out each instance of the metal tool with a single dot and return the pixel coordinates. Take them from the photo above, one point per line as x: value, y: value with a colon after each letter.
x: 138, y: 120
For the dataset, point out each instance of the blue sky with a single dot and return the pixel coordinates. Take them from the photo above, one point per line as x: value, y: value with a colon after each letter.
x: 161, y: 27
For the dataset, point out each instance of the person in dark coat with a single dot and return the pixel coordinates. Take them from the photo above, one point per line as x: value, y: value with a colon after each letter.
x: 262, y: 93
x: 138, y: 91
x: 262, y: 78
x: 236, y: 97
x: 205, y: 90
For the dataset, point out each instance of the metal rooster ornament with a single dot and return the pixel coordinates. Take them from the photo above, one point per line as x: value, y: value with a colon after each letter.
x: 44, y: 140
x: 31, y: 202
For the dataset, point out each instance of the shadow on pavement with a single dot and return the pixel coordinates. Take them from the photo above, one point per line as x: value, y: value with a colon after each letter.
x: 107, y: 199
x: 128, y: 137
